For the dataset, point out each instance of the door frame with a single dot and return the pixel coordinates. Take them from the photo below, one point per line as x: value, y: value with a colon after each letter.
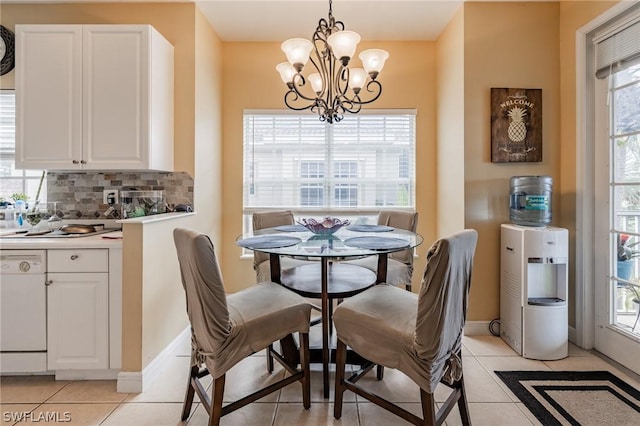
x: 585, y: 191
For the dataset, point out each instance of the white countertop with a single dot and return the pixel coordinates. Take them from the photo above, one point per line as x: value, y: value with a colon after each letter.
x: 154, y: 218
x: 106, y: 240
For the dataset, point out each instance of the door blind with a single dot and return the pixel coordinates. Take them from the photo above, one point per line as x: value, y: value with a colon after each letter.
x: 618, y: 48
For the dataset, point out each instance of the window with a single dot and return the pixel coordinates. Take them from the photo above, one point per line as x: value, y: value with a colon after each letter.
x: 623, y: 183
x: 346, y: 195
x: 312, y: 169
x: 12, y: 180
x: 345, y: 169
x: 311, y: 195
x: 615, y: 161
x: 358, y: 166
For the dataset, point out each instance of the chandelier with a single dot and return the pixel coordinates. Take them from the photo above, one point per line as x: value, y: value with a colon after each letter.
x: 334, y: 88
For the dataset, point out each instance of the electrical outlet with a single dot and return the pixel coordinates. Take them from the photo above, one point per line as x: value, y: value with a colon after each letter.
x: 110, y: 196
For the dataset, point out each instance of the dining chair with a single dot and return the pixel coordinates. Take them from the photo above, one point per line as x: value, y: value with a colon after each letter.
x: 400, y: 263
x: 272, y: 219
x: 225, y: 329
x: 419, y: 335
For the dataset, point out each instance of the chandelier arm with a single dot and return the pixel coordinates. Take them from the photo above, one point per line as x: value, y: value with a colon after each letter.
x: 352, y: 106
x: 320, y: 106
x: 324, y: 63
x: 330, y: 95
x: 294, y: 88
x: 374, y: 87
x: 321, y: 70
x: 322, y: 54
x: 293, y: 96
x: 342, y: 81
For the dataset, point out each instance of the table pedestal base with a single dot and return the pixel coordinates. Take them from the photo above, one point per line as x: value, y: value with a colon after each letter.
x: 327, y: 281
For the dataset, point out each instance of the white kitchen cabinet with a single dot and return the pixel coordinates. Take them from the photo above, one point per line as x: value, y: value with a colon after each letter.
x: 77, y: 309
x: 93, y: 97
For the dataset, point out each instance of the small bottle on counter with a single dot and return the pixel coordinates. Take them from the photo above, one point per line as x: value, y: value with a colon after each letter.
x: 20, y: 208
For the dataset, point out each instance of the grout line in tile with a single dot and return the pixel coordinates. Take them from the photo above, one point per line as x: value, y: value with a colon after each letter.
x: 275, y: 411
x: 59, y: 390
x: 111, y: 412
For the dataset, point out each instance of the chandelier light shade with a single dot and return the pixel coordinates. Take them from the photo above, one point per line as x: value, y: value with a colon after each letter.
x: 332, y: 88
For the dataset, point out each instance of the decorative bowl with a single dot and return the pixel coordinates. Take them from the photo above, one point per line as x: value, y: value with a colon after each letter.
x: 328, y: 226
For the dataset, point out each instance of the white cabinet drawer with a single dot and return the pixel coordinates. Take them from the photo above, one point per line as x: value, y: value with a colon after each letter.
x: 81, y: 260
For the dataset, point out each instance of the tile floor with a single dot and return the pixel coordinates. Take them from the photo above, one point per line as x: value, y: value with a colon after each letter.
x: 97, y: 403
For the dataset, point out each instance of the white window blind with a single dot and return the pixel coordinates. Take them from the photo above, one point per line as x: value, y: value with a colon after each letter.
x: 618, y: 47
x: 364, y: 163
x: 7, y: 122
x: 12, y: 180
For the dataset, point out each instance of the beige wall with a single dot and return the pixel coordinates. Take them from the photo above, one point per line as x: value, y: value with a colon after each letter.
x: 207, y: 147
x: 505, y: 45
x: 153, y: 306
x: 251, y: 82
x: 450, y: 107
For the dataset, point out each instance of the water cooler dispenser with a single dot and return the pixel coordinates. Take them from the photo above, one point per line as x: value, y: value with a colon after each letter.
x: 534, y: 290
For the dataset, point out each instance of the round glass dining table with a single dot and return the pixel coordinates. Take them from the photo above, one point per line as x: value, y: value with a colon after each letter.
x: 324, y: 276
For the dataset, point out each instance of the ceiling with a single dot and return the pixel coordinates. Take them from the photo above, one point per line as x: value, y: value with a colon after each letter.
x: 269, y: 20
x: 263, y: 20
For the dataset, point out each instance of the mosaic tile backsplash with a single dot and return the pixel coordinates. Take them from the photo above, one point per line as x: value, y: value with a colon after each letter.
x: 80, y: 195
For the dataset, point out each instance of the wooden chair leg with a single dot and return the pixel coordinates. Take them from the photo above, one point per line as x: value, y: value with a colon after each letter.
x: 341, y: 358
x: 289, y: 350
x: 463, y: 406
x: 188, y: 397
x: 304, y: 365
x: 270, y: 359
x: 379, y: 372
x: 216, y: 401
x: 428, y: 408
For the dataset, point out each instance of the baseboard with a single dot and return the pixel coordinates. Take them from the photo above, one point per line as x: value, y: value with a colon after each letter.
x: 481, y: 328
x: 572, y: 335
x: 476, y: 328
x: 136, y: 381
x: 86, y: 374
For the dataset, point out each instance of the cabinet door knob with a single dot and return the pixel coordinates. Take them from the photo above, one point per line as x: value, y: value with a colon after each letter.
x: 83, y: 162
x: 48, y: 282
x: 74, y: 256
x: 75, y: 161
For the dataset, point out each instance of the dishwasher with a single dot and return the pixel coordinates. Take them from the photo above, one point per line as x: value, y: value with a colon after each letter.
x: 23, y: 311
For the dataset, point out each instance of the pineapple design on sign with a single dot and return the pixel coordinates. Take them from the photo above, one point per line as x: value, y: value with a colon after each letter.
x: 517, y: 129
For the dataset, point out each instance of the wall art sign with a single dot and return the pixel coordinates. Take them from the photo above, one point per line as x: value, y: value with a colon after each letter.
x: 516, y: 125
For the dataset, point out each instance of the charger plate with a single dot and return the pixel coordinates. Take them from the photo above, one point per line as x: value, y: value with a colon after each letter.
x: 268, y: 241
x: 291, y: 228
x: 370, y: 228
x: 376, y: 243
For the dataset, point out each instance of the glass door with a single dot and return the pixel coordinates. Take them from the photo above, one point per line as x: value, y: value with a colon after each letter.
x: 617, y: 184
